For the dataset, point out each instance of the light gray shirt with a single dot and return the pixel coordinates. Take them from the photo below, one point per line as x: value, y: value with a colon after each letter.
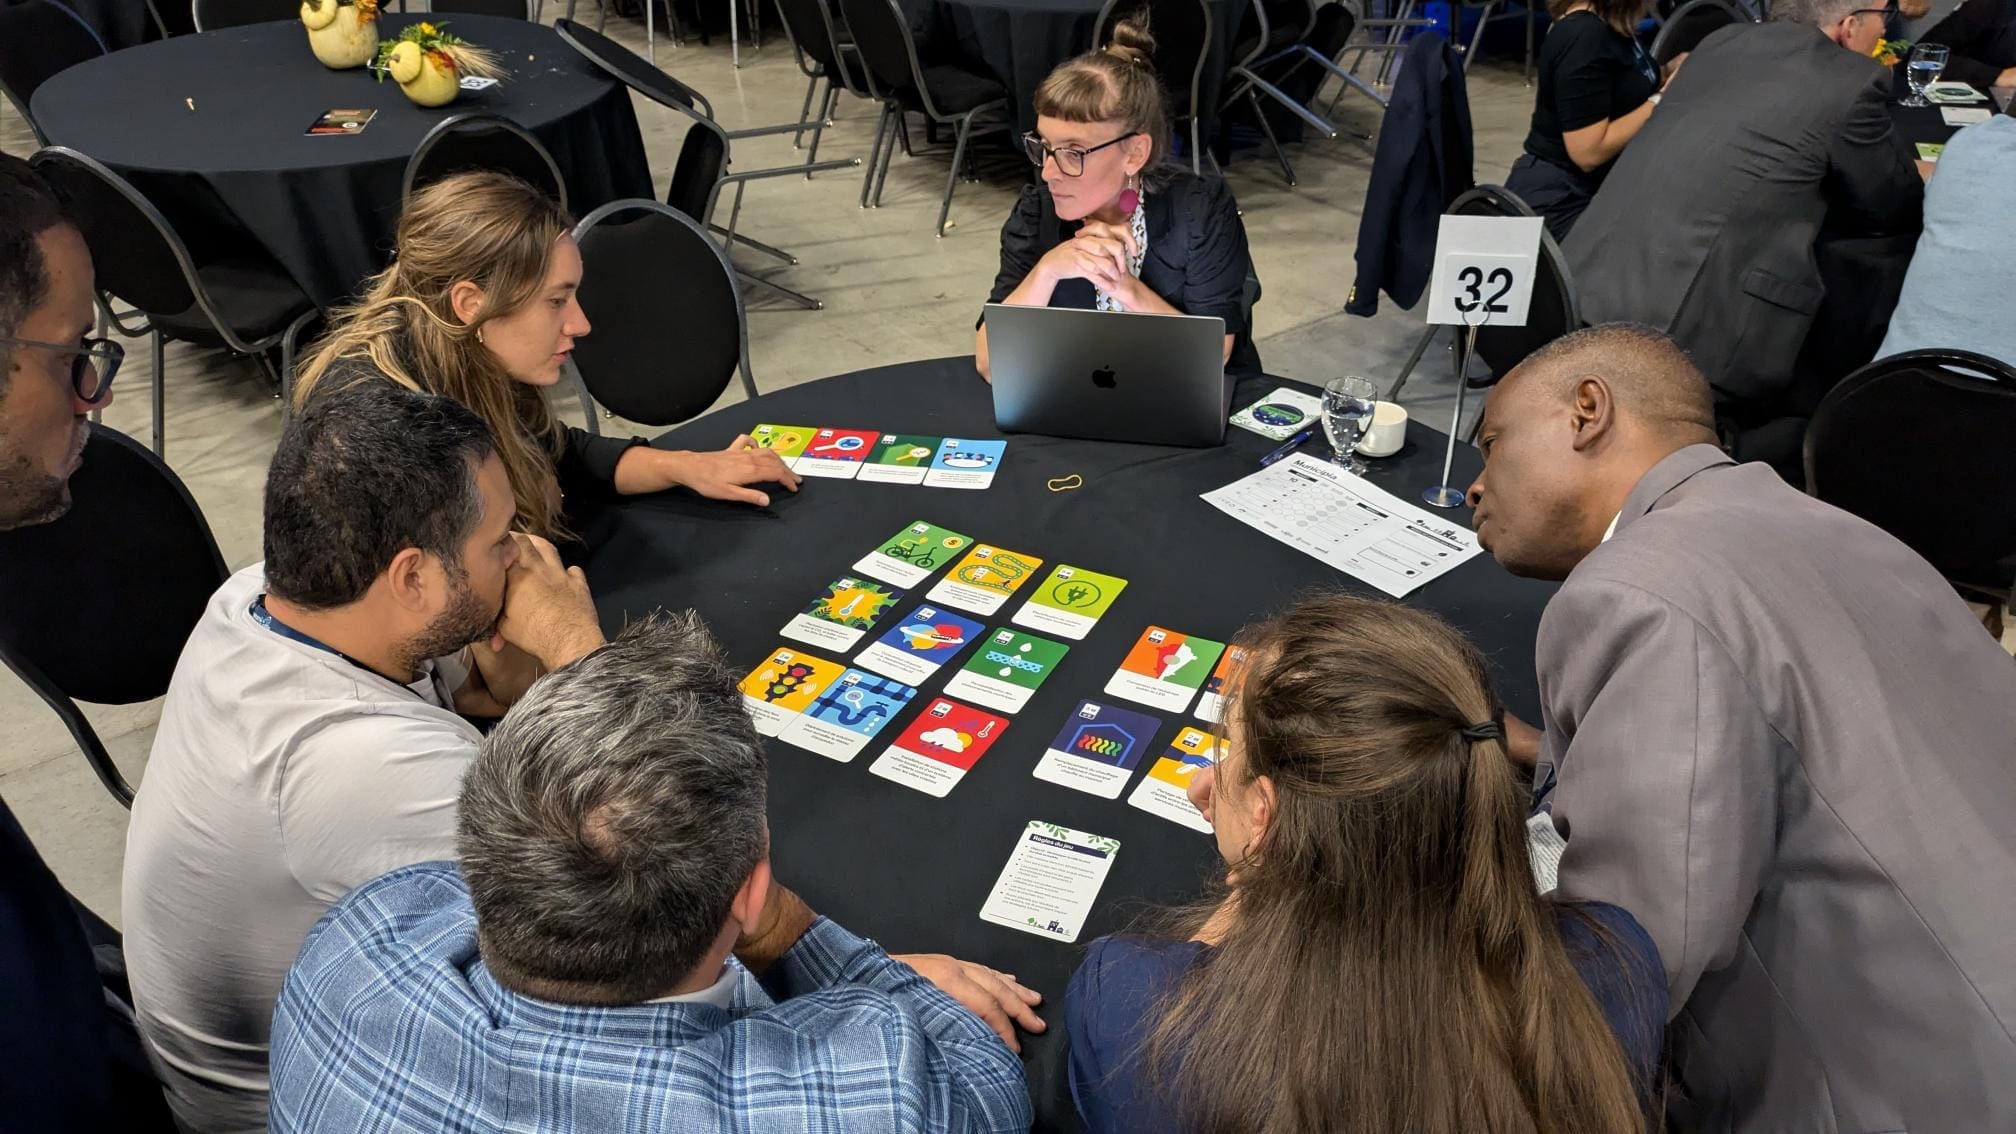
x: 1786, y: 747
x: 1962, y: 280
x: 282, y: 776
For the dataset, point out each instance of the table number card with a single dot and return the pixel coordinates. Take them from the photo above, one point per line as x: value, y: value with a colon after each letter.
x: 1211, y: 704
x: 1007, y: 670
x: 965, y: 463
x: 835, y: 453
x: 900, y: 458
x: 1070, y: 602
x: 911, y: 555
x: 1164, y: 669
x: 784, y: 685
x: 1164, y: 791
x: 839, y: 618
x: 1097, y: 749
x: 939, y: 747
x: 1484, y: 269
x: 983, y: 581
x: 787, y: 441
x: 843, y: 718
x: 1052, y: 878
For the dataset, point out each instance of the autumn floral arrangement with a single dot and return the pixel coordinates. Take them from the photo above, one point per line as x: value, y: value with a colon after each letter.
x: 341, y: 33
x: 429, y: 64
x: 1891, y: 52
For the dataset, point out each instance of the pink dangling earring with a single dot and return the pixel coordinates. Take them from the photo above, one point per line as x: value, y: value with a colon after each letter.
x: 1130, y: 197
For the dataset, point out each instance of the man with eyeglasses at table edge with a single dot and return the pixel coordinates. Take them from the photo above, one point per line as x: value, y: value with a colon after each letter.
x: 69, y: 1056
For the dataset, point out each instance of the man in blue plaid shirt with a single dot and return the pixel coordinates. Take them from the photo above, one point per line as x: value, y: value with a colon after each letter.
x: 613, y: 953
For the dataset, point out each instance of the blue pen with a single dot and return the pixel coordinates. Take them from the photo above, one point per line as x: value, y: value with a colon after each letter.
x: 1292, y: 444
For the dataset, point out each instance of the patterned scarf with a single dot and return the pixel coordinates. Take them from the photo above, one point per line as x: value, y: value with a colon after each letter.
x: 1139, y: 223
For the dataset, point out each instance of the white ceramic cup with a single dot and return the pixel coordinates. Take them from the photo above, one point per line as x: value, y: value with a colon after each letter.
x: 1388, y: 431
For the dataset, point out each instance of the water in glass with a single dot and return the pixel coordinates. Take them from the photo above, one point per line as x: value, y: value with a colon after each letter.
x: 1347, y: 414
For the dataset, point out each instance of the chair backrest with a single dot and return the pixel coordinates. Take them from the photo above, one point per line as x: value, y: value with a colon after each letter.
x: 211, y: 15
x: 1269, y: 26
x: 1691, y: 23
x: 137, y: 255
x: 475, y: 140
x: 1182, y: 30
x: 101, y: 600
x: 510, y: 9
x: 703, y: 156
x: 809, y: 23
x: 669, y: 327
x: 882, y: 36
x: 38, y: 39
x: 1550, y: 314
x: 1919, y: 445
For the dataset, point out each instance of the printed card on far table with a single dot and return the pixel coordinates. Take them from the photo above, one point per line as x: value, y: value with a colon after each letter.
x: 900, y: 458
x: 784, y: 685
x: 787, y: 441
x: 1097, y: 749
x: 919, y: 644
x: 1052, y: 878
x: 1211, y: 704
x: 841, y: 616
x: 1281, y: 414
x: 1007, y: 671
x: 985, y: 578
x: 843, y: 718
x: 1070, y: 602
x: 939, y: 747
x: 964, y: 463
x: 1165, y: 789
x: 835, y: 453
x: 911, y: 555
x: 1165, y: 668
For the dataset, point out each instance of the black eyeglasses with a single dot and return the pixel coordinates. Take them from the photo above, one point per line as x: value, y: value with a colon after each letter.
x: 1890, y: 17
x: 1070, y: 159
x: 92, y: 382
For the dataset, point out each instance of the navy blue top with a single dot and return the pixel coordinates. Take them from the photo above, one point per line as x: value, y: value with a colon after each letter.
x: 1107, y: 1009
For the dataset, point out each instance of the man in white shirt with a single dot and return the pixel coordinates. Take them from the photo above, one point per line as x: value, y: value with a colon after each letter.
x: 314, y: 736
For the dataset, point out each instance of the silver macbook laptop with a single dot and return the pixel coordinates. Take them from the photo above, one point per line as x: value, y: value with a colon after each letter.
x: 1109, y: 375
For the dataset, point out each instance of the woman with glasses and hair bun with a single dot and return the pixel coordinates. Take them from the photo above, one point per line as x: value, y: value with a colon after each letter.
x: 1112, y: 225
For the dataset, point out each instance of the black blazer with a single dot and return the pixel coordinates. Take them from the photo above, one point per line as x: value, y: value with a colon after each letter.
x: 1423, y: 163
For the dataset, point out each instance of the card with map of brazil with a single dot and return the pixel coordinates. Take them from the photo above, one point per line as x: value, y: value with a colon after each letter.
x: 841, y: 616
x: 847, y: 714
x: 900, y: 458
x: 1164, y: 669
x: 1070, y: 602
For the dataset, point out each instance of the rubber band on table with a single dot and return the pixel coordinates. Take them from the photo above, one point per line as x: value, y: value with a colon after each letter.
x: 1066, y: 483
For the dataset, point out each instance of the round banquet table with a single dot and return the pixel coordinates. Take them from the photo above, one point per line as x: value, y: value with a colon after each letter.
x: 912, y: 871
x: 240, y: 163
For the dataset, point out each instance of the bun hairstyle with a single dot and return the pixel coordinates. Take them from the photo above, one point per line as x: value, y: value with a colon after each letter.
x: 1115, y: 83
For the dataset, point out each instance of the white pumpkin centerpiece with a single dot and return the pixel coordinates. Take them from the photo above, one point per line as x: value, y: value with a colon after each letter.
x: 341, y: 33
x: 429, y: 64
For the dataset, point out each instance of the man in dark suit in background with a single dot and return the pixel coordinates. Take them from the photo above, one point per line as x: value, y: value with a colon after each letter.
x: 1706, y: 225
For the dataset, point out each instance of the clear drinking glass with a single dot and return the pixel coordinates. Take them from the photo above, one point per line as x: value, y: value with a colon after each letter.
x: 1347, y: 413
x: 1928, y: 62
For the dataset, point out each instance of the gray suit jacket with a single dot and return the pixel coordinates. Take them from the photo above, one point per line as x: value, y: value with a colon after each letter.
x: 1705, y: 226
x: 1785, y: 746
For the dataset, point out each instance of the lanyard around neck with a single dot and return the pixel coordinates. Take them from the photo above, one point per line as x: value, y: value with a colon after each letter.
x: 265, y: 618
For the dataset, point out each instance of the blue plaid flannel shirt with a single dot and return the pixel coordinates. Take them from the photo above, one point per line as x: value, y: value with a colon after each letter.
x: 390, y: 1021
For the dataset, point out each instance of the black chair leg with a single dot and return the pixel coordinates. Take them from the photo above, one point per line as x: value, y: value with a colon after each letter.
x: 819, y: 131
x: 1414, y: 359
x: 1266, y: 127
x: 952, y: 178
x: 160, y: 351
x: 901, y: 130
x: 874, y: 155
x: 805, y: 111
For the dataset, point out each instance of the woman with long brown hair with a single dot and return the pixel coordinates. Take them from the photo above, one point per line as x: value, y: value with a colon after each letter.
x: 1382, y: 960
x: 479, y: 305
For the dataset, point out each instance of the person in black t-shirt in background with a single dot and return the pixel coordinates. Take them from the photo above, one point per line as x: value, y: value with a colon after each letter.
x: 1597, y: 88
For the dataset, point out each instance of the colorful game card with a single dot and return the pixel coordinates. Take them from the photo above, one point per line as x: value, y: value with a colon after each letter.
x: 840, y: 617
x: 900, y: 458
x: 985, y: 578
x: 835, y: 453
x: 940, y: 747
x: 1007, y: 670
x: 783, y: 686
x: 919, y: 644
x: 1070, y: 602
x: 1211, y: 705
x: 1051, y: 880
x: 911, y: 555
x: 847, y: 714
x: 1097, y: 749
x: 1165, y: 789
x: 963, y: 463
x: 1281, y: 414
x: 787, y: 441
x: 1164, y: 669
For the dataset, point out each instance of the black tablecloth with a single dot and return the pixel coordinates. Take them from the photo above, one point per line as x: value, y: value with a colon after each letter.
x: 324, y: 207
x: 913, y: 871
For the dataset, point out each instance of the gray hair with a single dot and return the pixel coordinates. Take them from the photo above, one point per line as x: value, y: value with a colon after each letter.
x: 611, y: 817
x: 1819, y: 13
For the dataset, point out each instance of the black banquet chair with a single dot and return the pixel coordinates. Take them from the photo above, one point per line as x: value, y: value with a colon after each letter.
x: 1182, y: 30
x: 702, y: 168
x: 1274, y: 42
x: 243, y: 302
x: 102, y: 599
x: 1691, y: 23
x: 38, y: 39
x: 822, y: 52
x: 944, y: 93
x: 509, y: 9
x: 475, y: 140
x: 210, y: 15
x: 1919, y: 445
x: 670, y: 328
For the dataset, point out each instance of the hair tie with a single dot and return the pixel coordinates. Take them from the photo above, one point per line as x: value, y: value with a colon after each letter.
x: 1483, y: 730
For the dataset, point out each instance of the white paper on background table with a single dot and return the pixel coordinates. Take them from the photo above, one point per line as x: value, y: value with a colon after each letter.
x: 1964, y: 115
x: 1165, y: 790
x: 1951, y: 91
x: 1052, y: 878
x: 1348, y: 522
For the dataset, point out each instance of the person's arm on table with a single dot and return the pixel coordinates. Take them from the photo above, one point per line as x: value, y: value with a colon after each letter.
x: 1667, y: 793
x: 1020, y: 234
x: 632, y: 468
x: 1872, y: 185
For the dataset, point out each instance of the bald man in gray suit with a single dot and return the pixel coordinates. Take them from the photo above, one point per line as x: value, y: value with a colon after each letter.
x: 1781, y: 741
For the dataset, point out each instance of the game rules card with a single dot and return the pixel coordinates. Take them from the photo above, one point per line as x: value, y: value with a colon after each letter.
x: 963, y: 463
x: 1165, y: 668
x: 985, y: 578
x: 940, y: 747
x: 919, y: 644
x: 839, y: 618
x: 787, y: 441
x: 1052, y: 877
x: 1165, y: 789
x: 835, y: 453
x: 1097, y: 749
x: 843, y: 718
x: 1211, y: 705
x: 908, y: 557
x: 783, y: 686
x: 1007, y: 670
x: 1070, y: 602
x: 900, y: 458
